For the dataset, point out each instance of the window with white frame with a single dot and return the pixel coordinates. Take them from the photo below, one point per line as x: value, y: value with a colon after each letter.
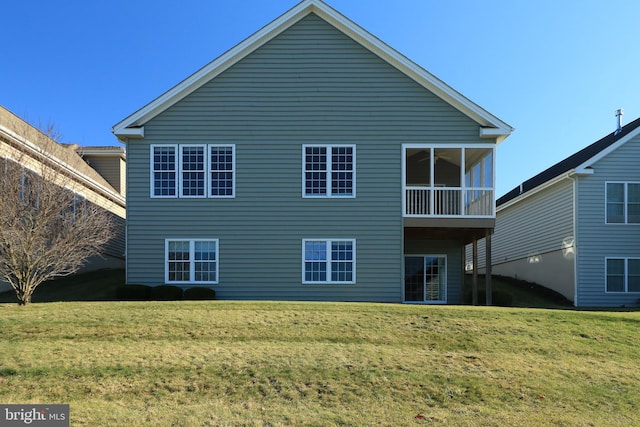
x: 623, y: 203
x: 623, y: 274
x: 329, y: 261
x: 329, y: 170
x: 191, y: 261
x: 193, y: 170
x: 164, y: 169
x: 222, y: 170
x: 192, y: 166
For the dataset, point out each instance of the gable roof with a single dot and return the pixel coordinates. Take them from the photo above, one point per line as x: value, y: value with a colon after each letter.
x: 578, y: 162
x: 29, y: 140
x: 133, y: 125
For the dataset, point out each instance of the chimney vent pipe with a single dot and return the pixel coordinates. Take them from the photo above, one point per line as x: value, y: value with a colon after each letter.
x: 619, y: 114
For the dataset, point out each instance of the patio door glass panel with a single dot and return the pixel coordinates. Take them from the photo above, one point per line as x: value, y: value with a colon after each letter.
x: 425, y: 279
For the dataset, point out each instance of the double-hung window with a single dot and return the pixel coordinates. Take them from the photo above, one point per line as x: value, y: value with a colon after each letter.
x: 329, y: 171
x: 193, y: 170
x: 623, y: 203
x: 329, y: 261
x: 623, y: 274
x: 191, y: 261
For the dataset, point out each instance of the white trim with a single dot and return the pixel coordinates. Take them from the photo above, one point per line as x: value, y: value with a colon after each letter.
x: 179, y: 172
x: 152, y: 171
x: 131, y: 133
x: 576, y: 234
x: 192, y: 261
x: 328, y: 171
x: 328, y: 262
x: 626, y: 275
x: 463, y: 188
x: 233, y: 171
x: 204, y: 171
x: 424, y: 279
x: 494, y: 127
x: 583, y: 167
x: 625, y: 202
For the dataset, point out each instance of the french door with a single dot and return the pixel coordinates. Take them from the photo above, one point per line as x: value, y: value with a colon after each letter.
x: 425, y: 279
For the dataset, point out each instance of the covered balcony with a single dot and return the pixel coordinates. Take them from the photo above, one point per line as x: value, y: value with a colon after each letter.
x: 449, y: 182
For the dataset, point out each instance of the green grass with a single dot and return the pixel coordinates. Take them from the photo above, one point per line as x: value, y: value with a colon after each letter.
x: 265, y: 363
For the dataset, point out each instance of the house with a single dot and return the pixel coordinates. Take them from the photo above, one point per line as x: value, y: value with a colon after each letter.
x: 575, y: 227
x: 24, y: 144
x: 309, y: 162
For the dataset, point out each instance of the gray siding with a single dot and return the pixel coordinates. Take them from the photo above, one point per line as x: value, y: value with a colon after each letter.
x: 309, y: 85
x: 110, y: 168
x: 597, y: 240
x: 533, y: 239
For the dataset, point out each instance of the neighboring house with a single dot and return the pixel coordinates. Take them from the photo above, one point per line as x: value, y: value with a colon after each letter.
x: 575, y: 227
x: 23, y: 143
x: 310, y: 162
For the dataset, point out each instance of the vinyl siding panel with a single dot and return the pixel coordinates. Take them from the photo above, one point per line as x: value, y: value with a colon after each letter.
x: 533, y: 239
x: 110, y: 168
x: 309, y: 85
x: 597, y: 240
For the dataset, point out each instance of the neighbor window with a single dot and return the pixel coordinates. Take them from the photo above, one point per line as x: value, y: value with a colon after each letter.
x: 329, y: 171
x: 623, y: 203
x: 623, y: 274
x: 328, y: 261
x: 181, y: 170
x: 191, y: 261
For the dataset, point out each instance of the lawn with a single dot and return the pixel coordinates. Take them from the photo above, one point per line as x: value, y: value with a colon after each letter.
x: 189, y: 363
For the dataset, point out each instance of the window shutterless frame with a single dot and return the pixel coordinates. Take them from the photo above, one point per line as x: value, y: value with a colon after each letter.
x: 192, y: 171
x: 191, y: 261
x: 329, y: 171
x: 328, y: 261
x: 622, y: 202
x: 163, y: 180
x: 622, y: 275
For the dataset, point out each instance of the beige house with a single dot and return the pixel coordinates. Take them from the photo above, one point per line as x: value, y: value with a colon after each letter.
x: 97, y: 173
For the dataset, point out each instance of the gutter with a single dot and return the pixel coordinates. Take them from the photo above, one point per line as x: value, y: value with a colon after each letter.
x: 40, y: 153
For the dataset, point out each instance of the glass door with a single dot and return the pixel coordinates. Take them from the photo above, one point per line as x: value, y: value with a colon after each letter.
x: 425, y: 279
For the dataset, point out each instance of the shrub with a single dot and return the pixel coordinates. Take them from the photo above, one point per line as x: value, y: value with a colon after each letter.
x: 200, y: 294
x: 133, y: 293
x: 166, y: 293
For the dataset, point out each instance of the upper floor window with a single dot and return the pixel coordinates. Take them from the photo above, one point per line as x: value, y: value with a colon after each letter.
x: 329, y: 171
x: 623, y: 203
x: 198, y: 170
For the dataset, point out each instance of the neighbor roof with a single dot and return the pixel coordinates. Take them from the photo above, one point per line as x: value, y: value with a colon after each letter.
x: 65, y: 155
x: 578, y: 161
x: 133, y: 125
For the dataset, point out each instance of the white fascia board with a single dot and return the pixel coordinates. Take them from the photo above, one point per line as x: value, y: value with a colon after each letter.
x: 500, y: 129
x: 585, y: 168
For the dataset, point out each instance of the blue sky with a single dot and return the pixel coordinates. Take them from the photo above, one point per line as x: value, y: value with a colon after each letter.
x: 554, y: 70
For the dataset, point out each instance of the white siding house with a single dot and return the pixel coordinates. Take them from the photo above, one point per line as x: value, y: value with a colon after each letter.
x: 575, y: 227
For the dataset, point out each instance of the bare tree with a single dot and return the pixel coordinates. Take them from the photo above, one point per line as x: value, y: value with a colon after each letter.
x: 47, y: 229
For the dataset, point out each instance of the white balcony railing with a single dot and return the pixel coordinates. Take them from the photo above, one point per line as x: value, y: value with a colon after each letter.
x: 449, y: 202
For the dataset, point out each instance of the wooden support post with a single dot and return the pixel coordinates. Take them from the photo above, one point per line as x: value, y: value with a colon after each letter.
x: 488, y: 284
x: 474, y: 275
